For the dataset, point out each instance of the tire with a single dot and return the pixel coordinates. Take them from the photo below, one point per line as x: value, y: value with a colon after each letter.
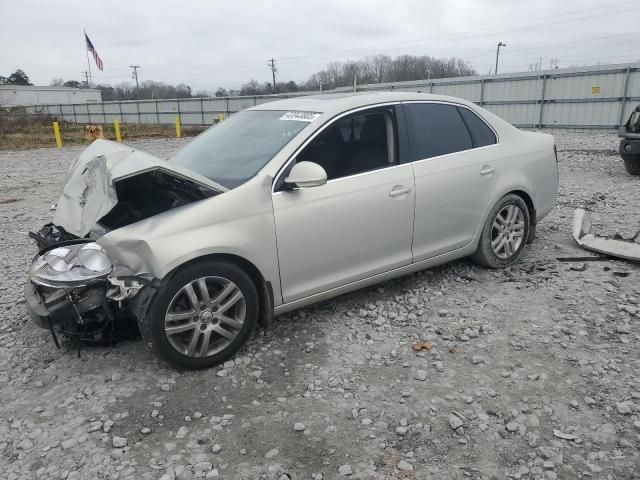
x: 179, y: 313
x: 632, y: 164
x: 505, y: 255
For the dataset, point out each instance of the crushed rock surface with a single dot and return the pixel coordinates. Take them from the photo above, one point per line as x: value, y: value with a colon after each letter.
x: 533, y: 371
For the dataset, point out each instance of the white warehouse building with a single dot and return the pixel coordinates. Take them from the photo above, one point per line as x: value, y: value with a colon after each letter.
x: 23, y: 95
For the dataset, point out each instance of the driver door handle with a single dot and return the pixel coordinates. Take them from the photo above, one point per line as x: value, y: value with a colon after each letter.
x: 399, y: 190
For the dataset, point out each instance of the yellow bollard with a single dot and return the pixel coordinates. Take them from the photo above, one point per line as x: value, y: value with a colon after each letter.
x: 221, y: 117
x: 116, y: 127
x: 56, y: 133
x: 178, y: 131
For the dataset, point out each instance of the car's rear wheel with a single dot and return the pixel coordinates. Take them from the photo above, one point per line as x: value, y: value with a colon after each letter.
x: 504, y: 234
x: 202, y: 315
x: 632, y: 164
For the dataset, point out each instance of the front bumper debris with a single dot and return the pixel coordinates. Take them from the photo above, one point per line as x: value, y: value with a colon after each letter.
x: 96, y: 310
x: 35, y: 306
x: 619, y: 247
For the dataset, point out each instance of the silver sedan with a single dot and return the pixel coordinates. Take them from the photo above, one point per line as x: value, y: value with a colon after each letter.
x: 280, y: 206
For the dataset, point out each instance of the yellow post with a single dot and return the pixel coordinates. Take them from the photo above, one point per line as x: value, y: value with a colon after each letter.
x: 56, y: 133
x: 178, y: 131
x: 221, y: 117
x: 116, y: 127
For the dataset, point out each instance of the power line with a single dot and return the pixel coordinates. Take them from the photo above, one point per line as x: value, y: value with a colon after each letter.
x: 446, y: 39
x: 462, y: 36
x: 492, y: 31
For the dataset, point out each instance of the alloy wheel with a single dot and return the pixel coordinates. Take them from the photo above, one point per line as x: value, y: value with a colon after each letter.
x: 507, y: 231
x: 205, y: 316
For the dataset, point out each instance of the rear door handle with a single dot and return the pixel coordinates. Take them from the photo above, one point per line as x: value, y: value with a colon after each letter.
x: 487, y: 170
x: 399, y: 190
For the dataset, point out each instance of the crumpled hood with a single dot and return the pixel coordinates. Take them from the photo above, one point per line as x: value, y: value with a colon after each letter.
x: 89, y: 191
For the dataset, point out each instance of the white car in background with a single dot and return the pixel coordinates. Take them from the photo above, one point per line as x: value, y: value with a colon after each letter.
x: 282, y: 205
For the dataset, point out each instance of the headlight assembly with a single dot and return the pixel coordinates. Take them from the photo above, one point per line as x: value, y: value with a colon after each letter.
x: 71, y: 266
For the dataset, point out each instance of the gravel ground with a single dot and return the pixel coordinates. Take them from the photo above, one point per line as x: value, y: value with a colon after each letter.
x: 533, y: 372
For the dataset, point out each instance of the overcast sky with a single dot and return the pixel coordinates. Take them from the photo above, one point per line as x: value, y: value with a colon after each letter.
x: 207, y: 44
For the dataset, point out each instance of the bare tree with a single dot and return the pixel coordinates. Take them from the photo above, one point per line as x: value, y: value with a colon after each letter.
x: 380, y: 66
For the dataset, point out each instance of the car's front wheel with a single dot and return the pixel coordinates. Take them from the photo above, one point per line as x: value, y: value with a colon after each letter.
x: 504, y: 234
x: 202, y: 315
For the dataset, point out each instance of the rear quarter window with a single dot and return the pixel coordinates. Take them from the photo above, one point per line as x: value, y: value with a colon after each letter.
x: 481, y: 134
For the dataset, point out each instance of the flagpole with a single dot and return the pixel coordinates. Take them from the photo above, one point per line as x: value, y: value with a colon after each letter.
x: 88, y: 62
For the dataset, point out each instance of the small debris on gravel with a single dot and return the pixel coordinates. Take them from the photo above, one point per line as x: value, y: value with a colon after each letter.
x: 119, y: 442
x: 345, y: 470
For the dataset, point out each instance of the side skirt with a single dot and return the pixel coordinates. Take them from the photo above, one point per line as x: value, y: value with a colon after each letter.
x: 381, y: 277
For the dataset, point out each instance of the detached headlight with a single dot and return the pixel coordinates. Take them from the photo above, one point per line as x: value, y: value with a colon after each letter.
x: 71, y: 266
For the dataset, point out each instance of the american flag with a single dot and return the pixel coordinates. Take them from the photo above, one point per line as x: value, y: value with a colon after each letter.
x: 92, y: 49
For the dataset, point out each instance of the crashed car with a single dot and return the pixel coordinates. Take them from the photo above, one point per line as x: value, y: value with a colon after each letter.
x: 280, y: 206
x: 630, y: 143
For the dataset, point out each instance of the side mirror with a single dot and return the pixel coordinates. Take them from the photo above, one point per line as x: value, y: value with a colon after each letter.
x: 306, y: 174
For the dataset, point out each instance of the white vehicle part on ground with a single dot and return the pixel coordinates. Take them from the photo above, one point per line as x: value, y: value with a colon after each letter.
x: 616, y: 247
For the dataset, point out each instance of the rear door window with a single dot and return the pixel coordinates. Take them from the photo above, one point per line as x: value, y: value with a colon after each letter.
x: 481, y: 134
x: 435, y: 129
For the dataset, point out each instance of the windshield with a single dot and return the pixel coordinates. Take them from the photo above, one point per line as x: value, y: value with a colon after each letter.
x: 234, y: 150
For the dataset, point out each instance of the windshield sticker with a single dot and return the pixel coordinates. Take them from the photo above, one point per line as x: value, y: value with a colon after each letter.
x: 300, y: 116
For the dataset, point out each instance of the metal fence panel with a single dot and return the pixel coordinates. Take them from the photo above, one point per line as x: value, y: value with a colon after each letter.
x: 468, y: 91
x: 524, y: 115
x: 240, y: 103
x: 598, y: 96
x: 586, y: 86
x: 518, y: 90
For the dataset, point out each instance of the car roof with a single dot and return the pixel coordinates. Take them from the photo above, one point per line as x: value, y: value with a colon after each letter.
x: 334, y: 103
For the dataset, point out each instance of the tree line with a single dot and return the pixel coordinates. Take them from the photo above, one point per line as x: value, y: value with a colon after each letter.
x: 375, y: 69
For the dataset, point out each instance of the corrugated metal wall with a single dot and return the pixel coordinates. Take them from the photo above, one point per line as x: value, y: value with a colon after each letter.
x: 587, y: 97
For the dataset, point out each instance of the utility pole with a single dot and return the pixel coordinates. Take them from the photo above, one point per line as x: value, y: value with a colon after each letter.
x: 134, y: 74
x: 86, y: 78
x: 272, y: 64
x: 500, y: 44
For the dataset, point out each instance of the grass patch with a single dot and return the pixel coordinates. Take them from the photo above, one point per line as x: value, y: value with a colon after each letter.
x: 20, y: 132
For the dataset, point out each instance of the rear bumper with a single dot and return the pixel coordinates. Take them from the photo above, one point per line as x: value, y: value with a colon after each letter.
x: 35, y: 306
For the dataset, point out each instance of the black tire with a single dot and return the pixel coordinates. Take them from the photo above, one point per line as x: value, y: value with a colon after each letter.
x: 484, y: 254
x: 632, y: 164
x: 152, y: 327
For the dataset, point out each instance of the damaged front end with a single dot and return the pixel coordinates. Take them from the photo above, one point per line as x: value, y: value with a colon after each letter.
x: 74, y: 287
